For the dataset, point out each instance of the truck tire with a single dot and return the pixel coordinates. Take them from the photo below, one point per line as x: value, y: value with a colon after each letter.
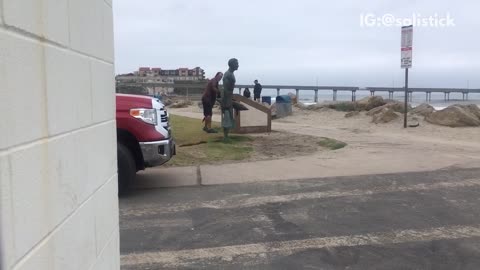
x: 126, y: 168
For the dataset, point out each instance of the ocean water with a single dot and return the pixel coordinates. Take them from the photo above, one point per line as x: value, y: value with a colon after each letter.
x: 438, y: 102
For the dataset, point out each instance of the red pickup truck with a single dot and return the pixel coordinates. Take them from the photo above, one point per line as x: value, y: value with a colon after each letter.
x: 144, y: 137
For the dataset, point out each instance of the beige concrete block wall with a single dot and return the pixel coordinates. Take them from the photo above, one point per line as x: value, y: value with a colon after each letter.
x: 58, y: 181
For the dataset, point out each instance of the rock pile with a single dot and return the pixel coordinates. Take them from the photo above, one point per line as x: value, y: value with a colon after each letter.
x: 456, y: 116
x: 423, y: 110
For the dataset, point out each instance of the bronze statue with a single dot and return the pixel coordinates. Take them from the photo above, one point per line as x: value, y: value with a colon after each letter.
x: 226, y: 98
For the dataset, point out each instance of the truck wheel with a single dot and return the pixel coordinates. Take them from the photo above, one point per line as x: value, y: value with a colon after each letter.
x: 126, y: 168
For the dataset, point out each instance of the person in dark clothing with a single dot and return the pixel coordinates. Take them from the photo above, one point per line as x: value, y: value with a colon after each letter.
x: 208, y: 100
x: 246, y: 93
x: 257, y: 90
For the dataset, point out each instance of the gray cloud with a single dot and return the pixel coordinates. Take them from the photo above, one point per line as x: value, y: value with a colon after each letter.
x: 296, y: 42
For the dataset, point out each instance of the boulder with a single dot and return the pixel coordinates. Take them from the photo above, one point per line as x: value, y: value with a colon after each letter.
x: 413, y: 121
x: 167, y: 101
x: 375, y: 110
x: 385, y: 115
x: 396, y: 106
x: 368, y: 103
x: 472, y: 108
x: 456, y: 116
x: 352, y: 114
x: 181, y: 104
x: 423, y: 110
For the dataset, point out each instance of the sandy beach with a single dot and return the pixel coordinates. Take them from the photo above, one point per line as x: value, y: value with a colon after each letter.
x: 372, y: 148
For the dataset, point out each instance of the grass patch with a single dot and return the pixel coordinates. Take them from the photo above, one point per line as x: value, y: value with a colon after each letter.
x: 195, y: 146
x: 189, y: 130
x: 331, y: 144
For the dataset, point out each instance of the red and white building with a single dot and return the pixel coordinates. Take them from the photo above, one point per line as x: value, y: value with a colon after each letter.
x: 159, y: 75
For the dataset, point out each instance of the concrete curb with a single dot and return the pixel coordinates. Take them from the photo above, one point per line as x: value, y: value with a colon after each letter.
x: 167, y: 177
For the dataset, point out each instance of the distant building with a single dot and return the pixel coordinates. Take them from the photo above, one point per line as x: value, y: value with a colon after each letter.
x: 158, y: 75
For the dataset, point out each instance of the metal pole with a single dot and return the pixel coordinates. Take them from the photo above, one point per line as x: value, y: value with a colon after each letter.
x: 406, y: 100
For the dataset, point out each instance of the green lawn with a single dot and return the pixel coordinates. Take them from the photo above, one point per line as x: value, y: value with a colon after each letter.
x: 195, y: 146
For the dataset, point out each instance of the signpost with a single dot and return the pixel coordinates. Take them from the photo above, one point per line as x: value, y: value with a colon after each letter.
x: 406, y: 62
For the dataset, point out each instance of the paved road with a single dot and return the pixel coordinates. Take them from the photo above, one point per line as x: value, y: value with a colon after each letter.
x: 427, y: 220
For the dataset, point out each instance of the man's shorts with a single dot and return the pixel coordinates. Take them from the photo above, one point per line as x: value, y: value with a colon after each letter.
x: 207, y: 109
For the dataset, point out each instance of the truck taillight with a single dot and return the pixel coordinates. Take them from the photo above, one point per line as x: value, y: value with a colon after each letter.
x: 148, y: 116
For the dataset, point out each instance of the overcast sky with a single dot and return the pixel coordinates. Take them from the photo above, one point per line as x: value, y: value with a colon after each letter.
x: 301, y: 41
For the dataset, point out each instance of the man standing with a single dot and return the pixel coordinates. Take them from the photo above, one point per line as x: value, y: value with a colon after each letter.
x: 227, y: 93
x: 257, y: 91
x: 208, y: 100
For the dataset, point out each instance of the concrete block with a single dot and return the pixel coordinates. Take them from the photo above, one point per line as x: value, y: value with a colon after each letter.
x: 42, y: 258
x: 110, y: 257
x: 22, y: 102
x: 31, y: 192
x: 5, y: 122
x: 166, y: 177
x: 24, y: 14
x: 107, y: 48
x: 103, y: 91
x: 55, y: 16
x: 61, y: 175
x: 47, y: 18
x: 1, y: 13
x: 96, y: 147
x: 68, y: 90
x: 75, y: 242
x: 106, y: 213
x: 71, y: 247
x: 6, y: 215
x: 65, y: 184
x: 86, y: 26
x: 46, y: 189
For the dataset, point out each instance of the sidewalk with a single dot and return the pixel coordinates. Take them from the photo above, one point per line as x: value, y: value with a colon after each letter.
x: 335, y: 163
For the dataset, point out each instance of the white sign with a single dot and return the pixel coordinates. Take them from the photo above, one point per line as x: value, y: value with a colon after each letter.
x: 407, y: 38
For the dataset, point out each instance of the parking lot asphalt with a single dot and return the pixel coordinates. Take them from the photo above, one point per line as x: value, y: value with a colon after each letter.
x: 422, y: 220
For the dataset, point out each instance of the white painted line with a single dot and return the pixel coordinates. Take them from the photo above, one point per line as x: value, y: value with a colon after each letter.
x: 156, y: 223
x: 257, y: 201
x: 259, y: 253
